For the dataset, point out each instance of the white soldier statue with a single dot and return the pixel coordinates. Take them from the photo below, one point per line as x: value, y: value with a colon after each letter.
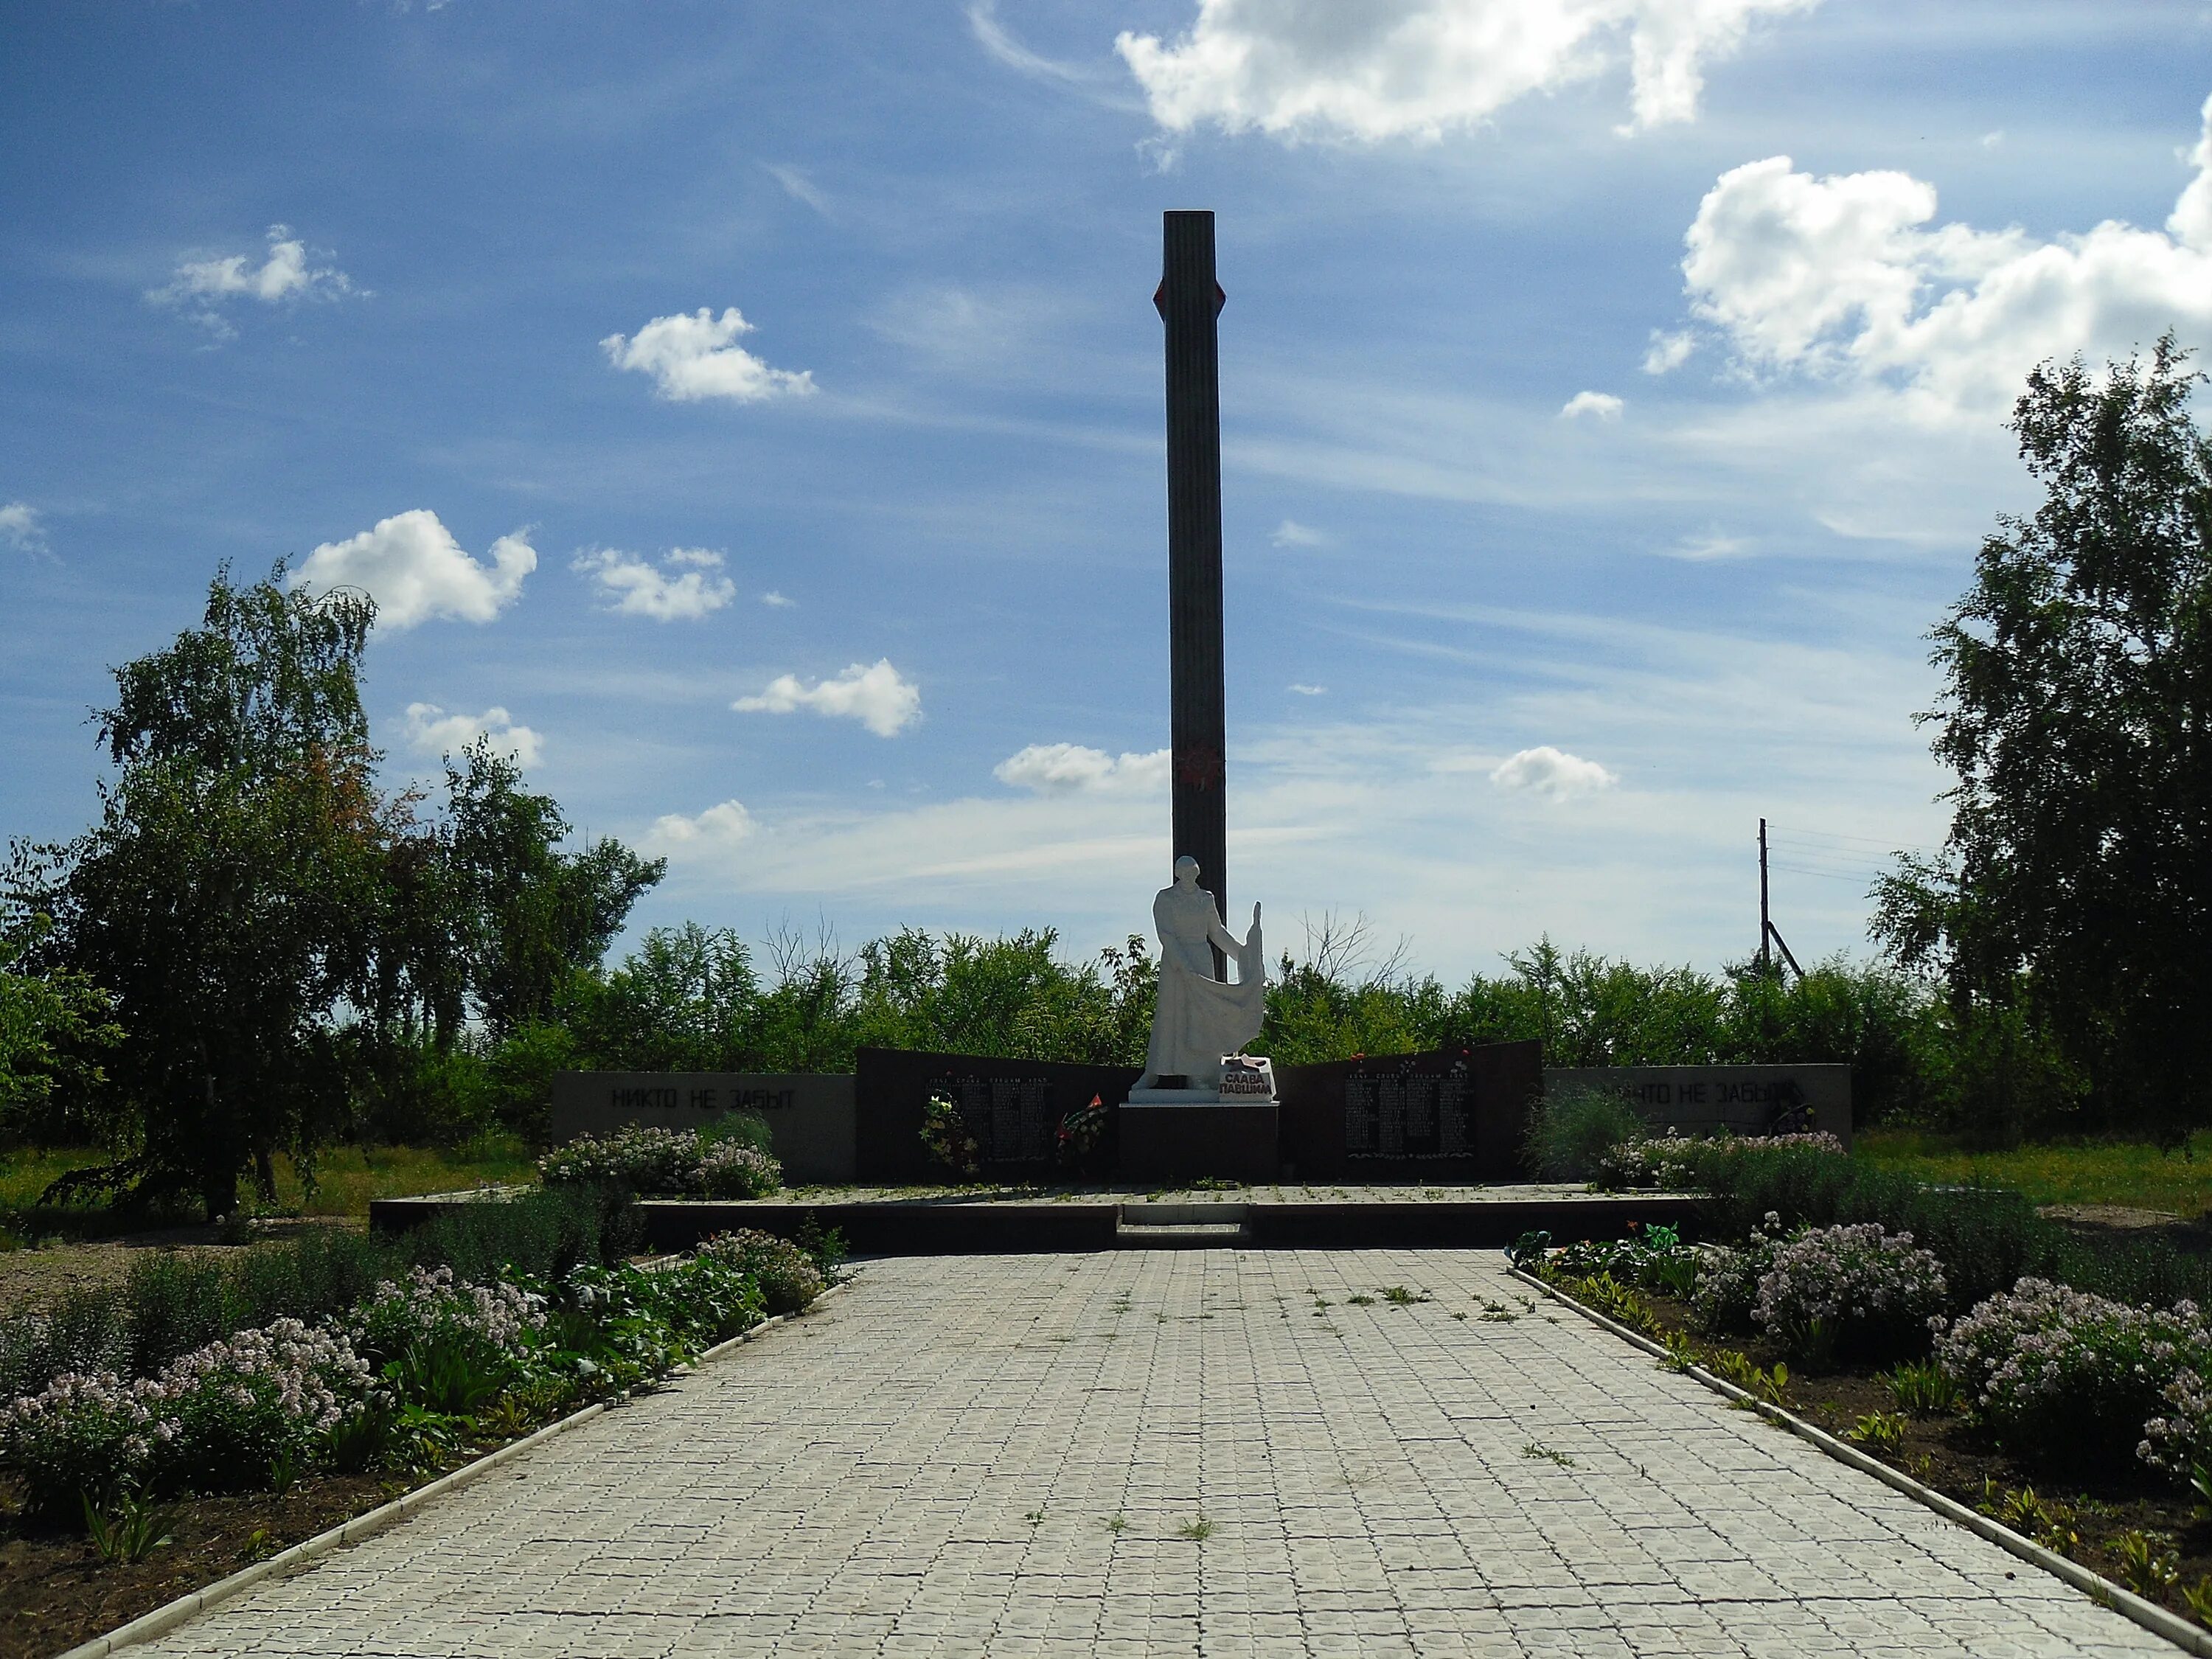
x: 1198, y: 1019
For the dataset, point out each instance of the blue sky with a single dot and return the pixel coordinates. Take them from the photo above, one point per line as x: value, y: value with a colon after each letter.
x: 751, y: 414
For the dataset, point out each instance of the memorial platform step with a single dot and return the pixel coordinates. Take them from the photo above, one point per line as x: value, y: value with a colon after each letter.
x: 954, y: 1221
x: 1169, y: 1225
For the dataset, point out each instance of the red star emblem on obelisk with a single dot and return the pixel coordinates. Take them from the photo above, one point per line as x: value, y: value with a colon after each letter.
x: 1198, y: 766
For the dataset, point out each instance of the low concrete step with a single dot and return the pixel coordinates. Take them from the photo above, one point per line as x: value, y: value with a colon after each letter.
x: 1184, y: 1235
x: 1161, y: 1224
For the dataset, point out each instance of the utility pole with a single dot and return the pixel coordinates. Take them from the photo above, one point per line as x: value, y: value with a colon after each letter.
x: 1766, y: 921
x: 1767, y: 930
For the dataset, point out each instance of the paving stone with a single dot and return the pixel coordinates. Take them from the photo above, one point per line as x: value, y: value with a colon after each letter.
x: 928, y: 1465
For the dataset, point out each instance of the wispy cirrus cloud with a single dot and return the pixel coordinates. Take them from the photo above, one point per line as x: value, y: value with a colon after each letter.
x: 21, y: 528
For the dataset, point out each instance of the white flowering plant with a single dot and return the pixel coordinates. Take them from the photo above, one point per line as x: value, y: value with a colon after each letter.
x: 2075, y: 1380
x: 1854, y: 1292
x: 1673, y: 1162
x: 789, y: 1277
x: 1727, y: 1289
x: 672, y: 1162
x: 421, y: 1369
x: 219, y: 1418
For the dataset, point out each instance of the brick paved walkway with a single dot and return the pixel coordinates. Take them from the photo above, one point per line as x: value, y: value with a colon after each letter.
x: 1160, y: 1452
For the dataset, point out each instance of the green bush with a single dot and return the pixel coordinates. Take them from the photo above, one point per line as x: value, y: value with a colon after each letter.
x: 1988, y: 1239
x: 786, y: 1274
x: 1570, y: 1133
x: 172, y: 1304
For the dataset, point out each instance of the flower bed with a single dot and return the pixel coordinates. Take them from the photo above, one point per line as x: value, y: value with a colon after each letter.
x: 422, y: 1370
x: 1686, y: 1162
x: 666, y: 1163
x: 2037, y: 1384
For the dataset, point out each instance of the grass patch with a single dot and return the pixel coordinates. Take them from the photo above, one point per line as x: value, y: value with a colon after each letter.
x: 346, y: 1179
x: 2131, y: 1173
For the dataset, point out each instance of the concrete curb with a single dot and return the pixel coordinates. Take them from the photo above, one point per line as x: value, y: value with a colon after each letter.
x: 2103, y: 1591
x: 170, y: 1614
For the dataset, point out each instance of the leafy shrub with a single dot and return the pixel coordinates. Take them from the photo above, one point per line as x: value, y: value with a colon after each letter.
x: 85, y: 1332
x: 1694, y: 1163
x: 787, y: 1276
x: 1569, y: 1133
x: 1856, y: 1292
x: 676, y: 1162
x: 2068, y: 1379
x: 1650, y: 1258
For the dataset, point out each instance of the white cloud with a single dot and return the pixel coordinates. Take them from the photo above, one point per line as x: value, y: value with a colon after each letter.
x: 683, y: 589
x: 1552, y: 772
x: 1419, y: 69
x: 1602, y: 405
x: 992, y: 36
x: 796, y: 185
x: 1668, y: 351
x: 1839, y: 278
x: 285, y: 277
x: 1709, y: 545
x: 1309, y: 690
x: 1292, y: 533
x: 1356, y: 813
x: 877, y: 697
x: 1069, y: 769
x: 718, y: 826
x: 434, y: 733
x: 412, y: 567
x: 693, y: 354
x: 775, y: 601
x: 20, y: 528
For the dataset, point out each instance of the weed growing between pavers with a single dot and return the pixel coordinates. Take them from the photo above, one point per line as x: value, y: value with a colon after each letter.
x: 1538, y: 1450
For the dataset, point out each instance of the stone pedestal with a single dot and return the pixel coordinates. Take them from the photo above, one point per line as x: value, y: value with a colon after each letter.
x: 1173, y: 1135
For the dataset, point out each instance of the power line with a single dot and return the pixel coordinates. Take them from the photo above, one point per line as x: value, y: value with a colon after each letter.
x: 1868, y: 877
x: 1867, y: 840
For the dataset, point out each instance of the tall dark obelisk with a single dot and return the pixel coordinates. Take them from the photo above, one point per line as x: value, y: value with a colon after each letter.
x: 1189, y: 299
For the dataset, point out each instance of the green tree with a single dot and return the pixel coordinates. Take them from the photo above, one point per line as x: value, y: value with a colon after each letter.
x: 54, y: 1028
x: 961, y: 993
x: 2073, y: 901
x: 687, y: 999
x: 228, y: 897
x: 527, y: 915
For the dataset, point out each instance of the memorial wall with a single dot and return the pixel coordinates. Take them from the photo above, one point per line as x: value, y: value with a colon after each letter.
x: 812, y: 1115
